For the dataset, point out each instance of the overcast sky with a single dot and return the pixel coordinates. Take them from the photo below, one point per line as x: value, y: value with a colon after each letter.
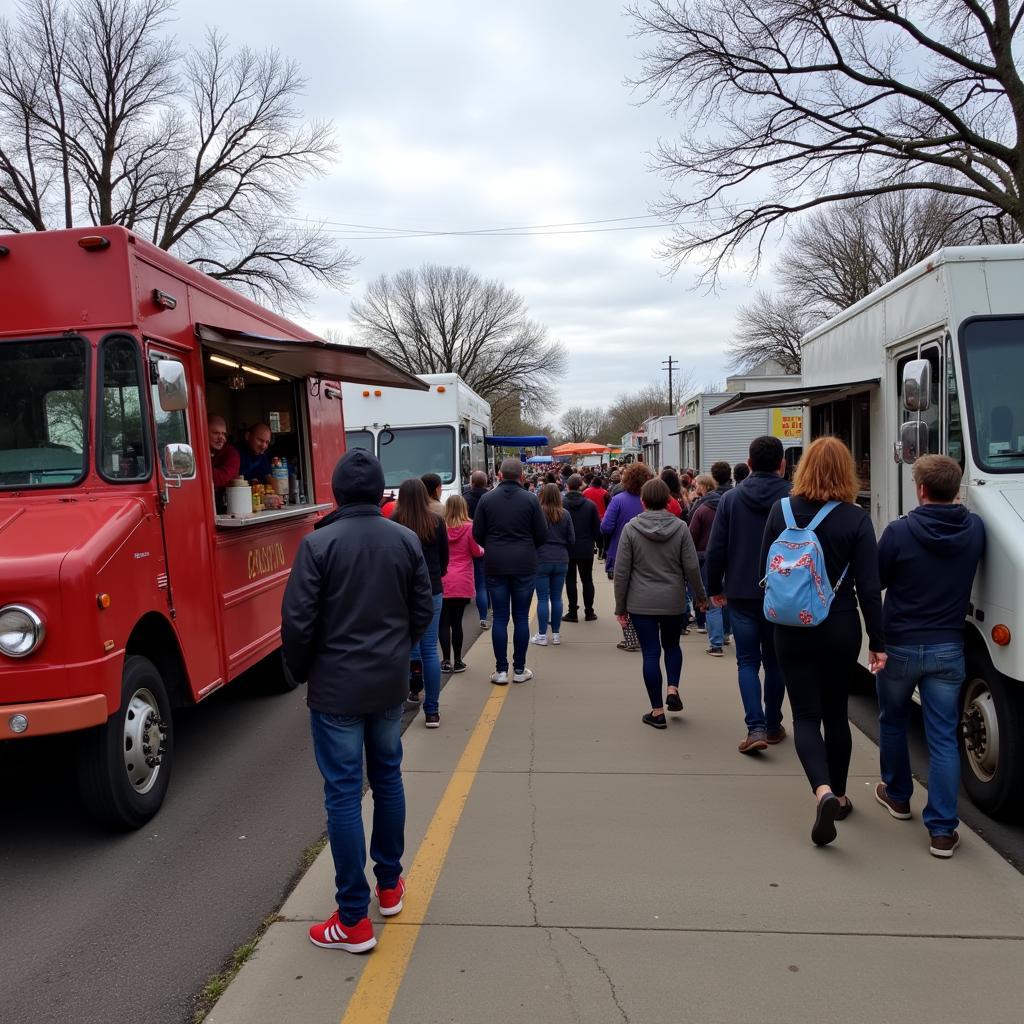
x: 468, y: 114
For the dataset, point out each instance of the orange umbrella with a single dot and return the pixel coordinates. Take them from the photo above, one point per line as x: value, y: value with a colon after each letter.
x: 580, y: 448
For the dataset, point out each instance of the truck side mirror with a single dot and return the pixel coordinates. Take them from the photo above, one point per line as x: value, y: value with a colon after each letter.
x: 913, y: 441
x: 917, y: 385
x: 179, y: 461
x: 171, y: 385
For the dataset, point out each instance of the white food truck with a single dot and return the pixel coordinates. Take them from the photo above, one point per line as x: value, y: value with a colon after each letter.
x: 440, y: 431
x: 934, y: 362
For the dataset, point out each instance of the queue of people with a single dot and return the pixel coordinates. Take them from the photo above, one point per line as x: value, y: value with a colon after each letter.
x: 797, y: 567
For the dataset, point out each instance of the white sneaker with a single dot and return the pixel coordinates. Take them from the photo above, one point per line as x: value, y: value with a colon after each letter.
x: 522, y: 677
x: 484, y: 624
x: 499, y: 678
x: 701, y: 629
x: 540, y: 640
x: 556, y: 638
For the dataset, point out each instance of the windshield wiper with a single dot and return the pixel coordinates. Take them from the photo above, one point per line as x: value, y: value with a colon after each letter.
x: 1005, y: 452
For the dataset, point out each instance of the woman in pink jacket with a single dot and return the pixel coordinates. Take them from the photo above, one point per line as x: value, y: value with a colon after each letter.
x: 459, y: 581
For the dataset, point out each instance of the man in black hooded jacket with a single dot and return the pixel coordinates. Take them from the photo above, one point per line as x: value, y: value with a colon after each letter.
x: 734, y: 575
x: 586, y: 521
x: 358, y: 596
x: 927, y: 561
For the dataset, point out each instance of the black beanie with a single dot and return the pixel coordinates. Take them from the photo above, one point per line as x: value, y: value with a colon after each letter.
x: 358, y: 479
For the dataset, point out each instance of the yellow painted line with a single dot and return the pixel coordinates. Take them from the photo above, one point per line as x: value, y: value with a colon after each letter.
x: 374, y: 996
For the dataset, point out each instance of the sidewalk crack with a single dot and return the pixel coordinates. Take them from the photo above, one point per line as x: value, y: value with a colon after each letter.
x: 566, y: 980
x: 604, y: 974
x: 530, y: 893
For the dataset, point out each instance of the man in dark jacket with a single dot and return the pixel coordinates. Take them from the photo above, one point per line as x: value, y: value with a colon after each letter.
x: 734, y: 576
x: 927, y: 562
x: 473, y: 493
x: 586, y: 521
x: 510, y: 526
x: 358, y: 596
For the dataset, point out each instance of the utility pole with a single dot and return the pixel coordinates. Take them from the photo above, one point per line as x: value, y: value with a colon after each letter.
x: 668, y: 364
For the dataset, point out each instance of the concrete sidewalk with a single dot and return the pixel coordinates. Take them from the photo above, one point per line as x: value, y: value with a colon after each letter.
x: 603, y: 871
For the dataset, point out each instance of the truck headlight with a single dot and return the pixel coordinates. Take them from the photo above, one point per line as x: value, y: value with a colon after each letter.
x: 21, y: 630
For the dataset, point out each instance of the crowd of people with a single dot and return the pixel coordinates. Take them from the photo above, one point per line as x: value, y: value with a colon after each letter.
x: 373, y: 617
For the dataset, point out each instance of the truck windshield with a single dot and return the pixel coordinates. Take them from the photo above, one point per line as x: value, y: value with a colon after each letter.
x: 43, y: 413
x: 359, y: 439
x: 418, y: 450
x: 993, y: 366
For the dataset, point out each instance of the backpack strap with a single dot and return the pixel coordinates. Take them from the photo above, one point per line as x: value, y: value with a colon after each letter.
x: 822, y: 514
x: 787, y: 512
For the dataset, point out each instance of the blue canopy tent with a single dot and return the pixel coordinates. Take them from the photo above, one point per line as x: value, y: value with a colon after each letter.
x: 538, y: 459
x: 511, y: 441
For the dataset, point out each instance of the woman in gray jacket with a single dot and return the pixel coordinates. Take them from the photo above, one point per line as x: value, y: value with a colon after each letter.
x: 655, y: 560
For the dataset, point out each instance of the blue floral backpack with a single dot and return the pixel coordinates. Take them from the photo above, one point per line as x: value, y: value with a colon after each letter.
x: 796, y: 587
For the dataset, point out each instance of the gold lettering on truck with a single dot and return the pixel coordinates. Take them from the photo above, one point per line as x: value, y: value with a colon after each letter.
x: 265, y: 560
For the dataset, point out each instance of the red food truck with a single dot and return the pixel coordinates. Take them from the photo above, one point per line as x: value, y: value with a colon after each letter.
x: 126, y: 587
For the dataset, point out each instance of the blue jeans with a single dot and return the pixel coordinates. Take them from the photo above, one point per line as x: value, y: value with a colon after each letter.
x: 938, y: 672
x: 550, y: 581
x: 480, y: 583
x: 713, y: 617
x: 510, y: 594
x: 755, y: 646
x: 657, y: 633
x: 338, y: 744
x: 426, y: 652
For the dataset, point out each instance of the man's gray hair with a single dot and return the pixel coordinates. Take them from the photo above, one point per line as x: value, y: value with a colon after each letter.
x: 479, y: 478
x: 511, y: 469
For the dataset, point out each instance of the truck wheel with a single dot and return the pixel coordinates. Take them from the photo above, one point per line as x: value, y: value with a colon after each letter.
x: 124, y: 767
x: 276, y: 676
x: 991, y: 739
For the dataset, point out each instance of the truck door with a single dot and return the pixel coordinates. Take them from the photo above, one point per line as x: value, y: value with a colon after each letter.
x: 186, y: 529
x: 933, y: 416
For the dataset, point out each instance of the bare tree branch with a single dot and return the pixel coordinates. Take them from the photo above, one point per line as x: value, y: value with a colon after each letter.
x: 790, y: 105
x: 447, y: 320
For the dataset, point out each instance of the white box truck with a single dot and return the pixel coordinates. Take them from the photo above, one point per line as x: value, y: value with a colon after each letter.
x: 931, y: 362
x: 441, y: 430
x: 705, y: 439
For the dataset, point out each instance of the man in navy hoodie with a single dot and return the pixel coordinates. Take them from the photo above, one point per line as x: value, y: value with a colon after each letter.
x: 927, y: 562
x: 734, y: 574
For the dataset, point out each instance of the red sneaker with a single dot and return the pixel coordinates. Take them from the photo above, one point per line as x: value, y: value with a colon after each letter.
x: 354, y: 938
x: 390, y: 900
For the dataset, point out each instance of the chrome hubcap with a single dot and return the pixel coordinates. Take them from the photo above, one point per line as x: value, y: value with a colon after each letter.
x: 145, y: 735
x: 980, y: 728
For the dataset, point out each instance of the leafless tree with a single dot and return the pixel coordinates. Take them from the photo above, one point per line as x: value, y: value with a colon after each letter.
x: 104, y: 120
x: 581, y: 424
x: 836, y: 256
x: 631, y: 408
x: 770, y: 327
x: 448, y: 320
x: 795, y: 104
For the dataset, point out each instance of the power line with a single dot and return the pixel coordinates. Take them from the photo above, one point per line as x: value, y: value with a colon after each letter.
x: 492, y: 234
x: 469, y: 231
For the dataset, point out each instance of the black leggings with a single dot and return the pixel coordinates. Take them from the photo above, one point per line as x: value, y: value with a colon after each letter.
x: 450, y: 627
x: 817, y: 665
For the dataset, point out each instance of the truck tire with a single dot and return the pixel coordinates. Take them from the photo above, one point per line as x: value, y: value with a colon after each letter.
x: 991, y: 738
x: 124, y: 767
x: 276, y: 676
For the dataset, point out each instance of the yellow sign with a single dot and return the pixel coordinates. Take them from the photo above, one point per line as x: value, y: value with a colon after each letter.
x: 263, y: 561
x: 788, y: 424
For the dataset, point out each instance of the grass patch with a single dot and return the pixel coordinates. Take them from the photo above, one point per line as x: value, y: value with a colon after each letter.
x: 217, y: 984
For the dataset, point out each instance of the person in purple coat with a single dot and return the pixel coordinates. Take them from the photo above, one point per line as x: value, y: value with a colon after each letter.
x: 626, y: 505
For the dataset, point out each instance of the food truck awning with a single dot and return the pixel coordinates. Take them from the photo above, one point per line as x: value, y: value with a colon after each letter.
x: 782, y: 397
x: 317, y: 359
x: 511, y: 441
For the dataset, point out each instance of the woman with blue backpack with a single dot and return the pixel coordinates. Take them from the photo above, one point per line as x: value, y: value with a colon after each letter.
x: 820, y: 558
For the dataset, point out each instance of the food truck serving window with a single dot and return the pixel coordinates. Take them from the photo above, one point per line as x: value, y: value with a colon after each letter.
x: 418, y: 450
x: 44, y: 413
x: 122, y: 451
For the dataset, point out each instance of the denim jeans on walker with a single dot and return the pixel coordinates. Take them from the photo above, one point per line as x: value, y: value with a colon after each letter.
x: 755, y: 646
x: 550, y: 583
x: 937, y: 670
x: 480, y: 584
x: 427, y: 653
x: 338, y: 745
x: 510, y: 597
x: 713, y: 617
